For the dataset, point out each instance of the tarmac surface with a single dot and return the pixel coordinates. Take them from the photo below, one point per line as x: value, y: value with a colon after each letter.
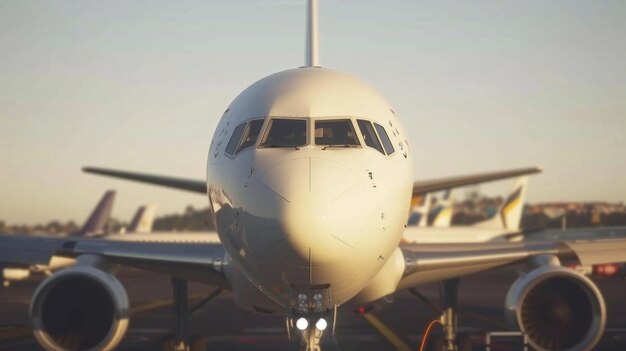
x: 396, y: 325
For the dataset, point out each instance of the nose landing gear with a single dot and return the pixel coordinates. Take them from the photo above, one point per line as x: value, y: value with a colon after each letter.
x: 310, y: 336
x: 308, y: 315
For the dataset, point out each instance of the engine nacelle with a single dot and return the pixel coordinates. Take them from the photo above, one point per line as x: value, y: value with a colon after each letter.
x: 80, y: 308
x: 14, y: 274
x: 557, y: 308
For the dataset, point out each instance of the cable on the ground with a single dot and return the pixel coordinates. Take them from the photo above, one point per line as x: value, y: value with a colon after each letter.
x: 427, y: 332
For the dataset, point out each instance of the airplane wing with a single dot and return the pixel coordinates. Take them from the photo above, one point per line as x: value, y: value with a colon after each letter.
x: 425, y: 263
x: 196, y: 186
x: 197, y: 262
x: 420, y: 187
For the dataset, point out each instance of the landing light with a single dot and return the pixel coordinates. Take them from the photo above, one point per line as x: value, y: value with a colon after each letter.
x: 321, y: 324
x: 302, y: 323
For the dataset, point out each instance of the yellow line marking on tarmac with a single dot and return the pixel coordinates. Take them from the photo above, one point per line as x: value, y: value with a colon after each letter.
x: 386, y: 332
x: 162, y: 303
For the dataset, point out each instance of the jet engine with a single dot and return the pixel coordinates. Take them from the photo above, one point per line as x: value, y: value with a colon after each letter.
x: 80, y: 308
x: 557, y: 308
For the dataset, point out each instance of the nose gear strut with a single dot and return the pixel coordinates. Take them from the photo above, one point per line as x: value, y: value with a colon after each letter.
x: 310, y: 309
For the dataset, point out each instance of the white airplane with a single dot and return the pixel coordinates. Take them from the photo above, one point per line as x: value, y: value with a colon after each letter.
x: 309, y: 178
x: 498, y: 228
x: 142, y: 220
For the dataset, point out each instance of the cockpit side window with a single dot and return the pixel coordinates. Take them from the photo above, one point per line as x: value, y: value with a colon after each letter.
x: 385, y: 139
x: 286, y: 132
x: 251, y: 134
x: 235, y: 139
x: 369, y: 135
x: 338, y: 132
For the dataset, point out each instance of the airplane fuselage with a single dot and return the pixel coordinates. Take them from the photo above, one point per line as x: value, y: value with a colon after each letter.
x: 313, y: 198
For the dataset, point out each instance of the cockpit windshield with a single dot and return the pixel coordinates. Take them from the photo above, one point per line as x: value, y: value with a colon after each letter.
x: 385, y: 139
x: 337, y: 132
x: 251, y: 134
x: 369, y: 135
x: 286, y: 132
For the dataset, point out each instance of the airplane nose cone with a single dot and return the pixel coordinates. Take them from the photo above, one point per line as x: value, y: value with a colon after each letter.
x: 320, y: 215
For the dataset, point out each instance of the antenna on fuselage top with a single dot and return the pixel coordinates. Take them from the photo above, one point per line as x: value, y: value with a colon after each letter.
x: 312, y: 58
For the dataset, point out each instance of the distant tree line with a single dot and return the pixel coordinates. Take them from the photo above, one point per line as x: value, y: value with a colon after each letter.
x: 476, y: 208
x: 54, y: 227
x: 467, y: 212
x: 573, y: 220
x: 190, y: 220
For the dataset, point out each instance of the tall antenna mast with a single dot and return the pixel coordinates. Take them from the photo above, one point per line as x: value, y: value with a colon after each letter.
x: 311, y: 59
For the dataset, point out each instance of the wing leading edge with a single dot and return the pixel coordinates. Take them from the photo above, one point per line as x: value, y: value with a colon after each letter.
x: 201, y: 262
x: 419, y: 187
x: 425, y: 186
x: 425, y: 263
x: 196, y: 186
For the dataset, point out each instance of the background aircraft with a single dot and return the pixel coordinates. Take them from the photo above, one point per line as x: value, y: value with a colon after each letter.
x: 93, y: 226
x: 424, y: 213
x: 506, y: 220
x: 142, y: 220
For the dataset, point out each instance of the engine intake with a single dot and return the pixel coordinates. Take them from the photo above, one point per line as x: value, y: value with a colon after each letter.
x: 557, y: 308
x: 80, y: 308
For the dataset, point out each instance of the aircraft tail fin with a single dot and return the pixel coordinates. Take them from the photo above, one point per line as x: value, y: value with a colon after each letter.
x: 510, y: 214
x: 312, y: 57
x: 142, y: 220
x: 97, y: 221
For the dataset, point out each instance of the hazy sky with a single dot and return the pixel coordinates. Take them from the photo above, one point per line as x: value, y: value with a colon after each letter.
x: 140, y: 85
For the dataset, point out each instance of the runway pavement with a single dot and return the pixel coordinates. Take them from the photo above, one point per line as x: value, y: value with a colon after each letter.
x: 396, y: 325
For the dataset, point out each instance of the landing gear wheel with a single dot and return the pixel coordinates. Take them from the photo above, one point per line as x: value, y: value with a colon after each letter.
x: 197, y: 343
x: 167, y: 342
